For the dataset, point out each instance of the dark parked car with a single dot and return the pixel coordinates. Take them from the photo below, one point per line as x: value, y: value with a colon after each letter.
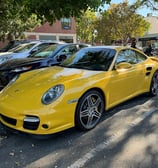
x: 48, y: 56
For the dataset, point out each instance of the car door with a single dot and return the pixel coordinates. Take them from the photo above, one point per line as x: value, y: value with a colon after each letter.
x: 130, y: 81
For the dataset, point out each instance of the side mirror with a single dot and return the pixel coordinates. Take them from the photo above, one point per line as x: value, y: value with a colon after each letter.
x: 123, y: 66
x: 61, y: 58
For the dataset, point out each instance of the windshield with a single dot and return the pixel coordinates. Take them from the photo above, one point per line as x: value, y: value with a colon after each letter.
x: 22, y: 48
x: 46, y: 52
x: 91, y: 58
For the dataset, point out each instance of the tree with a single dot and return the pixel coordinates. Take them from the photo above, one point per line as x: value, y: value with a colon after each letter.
x: 85, y: 26
x: 15, y: 13
x: 15, y: 20
x: 103, y: 28
x: 53, y: 10
x: 121, y: 22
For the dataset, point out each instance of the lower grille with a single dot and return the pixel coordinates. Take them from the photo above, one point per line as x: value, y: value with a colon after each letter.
x: 31, y: 122
x: 9, y: 120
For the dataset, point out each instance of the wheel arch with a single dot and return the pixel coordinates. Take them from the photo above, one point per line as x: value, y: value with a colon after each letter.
x: 99, y: 90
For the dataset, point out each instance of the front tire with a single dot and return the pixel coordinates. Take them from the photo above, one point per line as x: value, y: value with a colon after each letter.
x: 89, y: 110
x: 154, y: 85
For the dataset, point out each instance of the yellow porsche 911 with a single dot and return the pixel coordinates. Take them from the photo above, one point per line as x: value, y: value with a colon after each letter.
x: 78, y: 91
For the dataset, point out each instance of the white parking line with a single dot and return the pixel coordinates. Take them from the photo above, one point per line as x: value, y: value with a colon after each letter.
x: 102, y: 146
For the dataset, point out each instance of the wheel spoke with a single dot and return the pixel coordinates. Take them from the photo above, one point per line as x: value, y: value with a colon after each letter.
x: 97, y: 103
x: 89, y: 100
x: 90, y: 121
x: 84, y: 113
x: 97, y: 114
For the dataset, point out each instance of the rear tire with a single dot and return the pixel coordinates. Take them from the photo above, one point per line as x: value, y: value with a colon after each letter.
x: 154, y: 85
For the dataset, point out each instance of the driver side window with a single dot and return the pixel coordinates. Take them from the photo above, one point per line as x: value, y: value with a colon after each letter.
x: 127, y: 56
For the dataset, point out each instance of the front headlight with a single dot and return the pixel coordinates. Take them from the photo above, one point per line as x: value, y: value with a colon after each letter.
x: 52, y: 94
x: 26, y: 68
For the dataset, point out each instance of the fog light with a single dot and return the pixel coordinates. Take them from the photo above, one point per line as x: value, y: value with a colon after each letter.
x: 45, y: 126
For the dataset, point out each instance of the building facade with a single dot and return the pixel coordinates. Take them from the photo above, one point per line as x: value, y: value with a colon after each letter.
x: 63, y: 30
x: 151, y: 37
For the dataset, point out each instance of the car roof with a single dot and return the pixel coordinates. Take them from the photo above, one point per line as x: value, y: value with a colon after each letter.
x: 117, y: 48
x: 65, y: 44
x: 111, y: 47
x: 43, y: 41
x: 108, y: 46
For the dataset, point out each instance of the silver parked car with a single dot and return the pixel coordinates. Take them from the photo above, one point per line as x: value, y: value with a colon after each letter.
x: 24, y: 50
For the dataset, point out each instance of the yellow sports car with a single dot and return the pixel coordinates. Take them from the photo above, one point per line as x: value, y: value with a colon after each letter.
x: 78, y: 91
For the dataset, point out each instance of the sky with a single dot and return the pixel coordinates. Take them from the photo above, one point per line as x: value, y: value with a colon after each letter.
x: 142, y: 11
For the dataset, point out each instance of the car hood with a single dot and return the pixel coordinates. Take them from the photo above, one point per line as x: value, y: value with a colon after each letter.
x: 45, y: 78
x: 4, y: 57
x: 14, y: 55
x: 20, y: 55
x: 11, y: 64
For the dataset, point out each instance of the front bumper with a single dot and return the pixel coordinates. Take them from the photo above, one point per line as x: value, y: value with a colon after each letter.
x: 39, y: 124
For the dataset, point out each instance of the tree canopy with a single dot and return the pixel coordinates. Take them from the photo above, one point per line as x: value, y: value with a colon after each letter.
x: 56, y: 9
x: 120, y: 22
x: 18, y: 16
x: 85, y: 26
x: 53, y: 9
x: 15, y: 19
